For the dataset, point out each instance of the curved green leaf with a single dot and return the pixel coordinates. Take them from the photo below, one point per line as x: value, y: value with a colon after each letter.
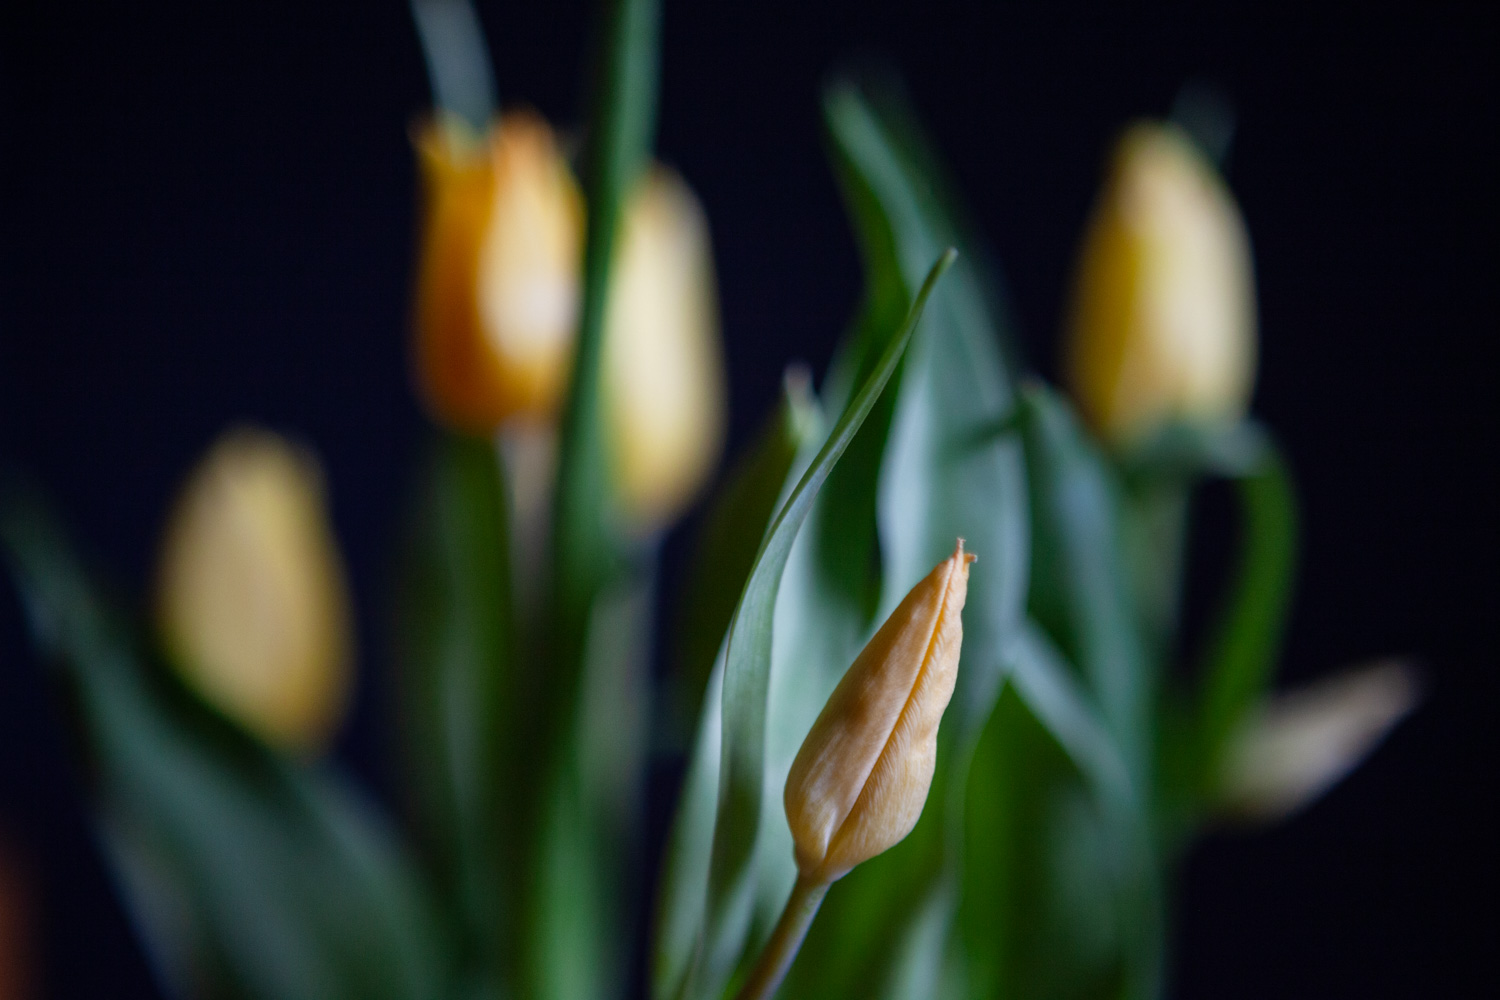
x: 939, y: 472
x: 575, y: 915
x: 458, y: 695
x: 731, y: 883
x: 1061, y: 889
x: 294, y: 885
x: 732, y: 532
x: 1080, y: 588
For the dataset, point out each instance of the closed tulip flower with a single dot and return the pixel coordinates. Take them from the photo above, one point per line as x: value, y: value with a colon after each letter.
x: 858, y: 784
x: 663, y: 370
x: 252, y: 600
x: 1162, y: 325
x: 497, y: 280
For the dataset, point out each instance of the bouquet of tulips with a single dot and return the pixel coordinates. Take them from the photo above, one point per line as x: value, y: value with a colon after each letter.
x: 926, y: 671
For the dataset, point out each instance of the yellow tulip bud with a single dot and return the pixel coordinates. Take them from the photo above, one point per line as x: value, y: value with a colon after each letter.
x: 859, y: 782
x: 497, y: 280
x: 1162, y: 325
x: 663, y: 371
x: 252, y: 601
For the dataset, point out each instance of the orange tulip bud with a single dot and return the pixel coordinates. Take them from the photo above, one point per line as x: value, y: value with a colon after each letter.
x: 858, y: 785
x: 497, y: 281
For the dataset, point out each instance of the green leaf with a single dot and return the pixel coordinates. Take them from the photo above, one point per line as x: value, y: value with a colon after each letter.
x: 1080, y: 587
x: 1061, y: 890
x: 1030, y: 927
x: 458, y: 62
x: 573, y: 892
x: 732, y: 532
x: 732, y: 876
x: 682, y: 894
x: 620, y: 132
x: 944, y: 473
x: 735, y: 527
x: 459, y: 695
x: 294, y: 885
x: 937, y: 472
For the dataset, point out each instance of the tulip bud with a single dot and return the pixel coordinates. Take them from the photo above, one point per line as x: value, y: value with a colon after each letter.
x: 859, y: 782
x: 1162, y: 325
x: 663, y: 371
x: 252, y: 601
x: 497, y: 281
x: 1302, y: 743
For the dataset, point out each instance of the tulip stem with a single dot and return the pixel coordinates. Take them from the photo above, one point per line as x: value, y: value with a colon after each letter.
x: 776, y: 957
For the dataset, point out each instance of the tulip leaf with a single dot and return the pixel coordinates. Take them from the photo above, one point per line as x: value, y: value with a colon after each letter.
x: 943, y: 476
x: 1083, y: 600
x: 458, y: 63
x: 1038, y: 916
x: 736, y: 524
x: 571, y: 896
x: 731, y: 535
x: 459, y: 701
x: 1081, y: 592
x: 621, y: 128
x: 294, y: 885
x: 940, y: 473
x: 732, y: 876
x: 1061, y: 890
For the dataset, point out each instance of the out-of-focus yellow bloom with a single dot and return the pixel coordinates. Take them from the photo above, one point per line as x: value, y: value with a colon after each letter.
x: 1162, y: 324
x: 859, y: 782
x: 252, y: 600
x: 1301, y: 743
x: 497, y: 281
x: 663, y: 370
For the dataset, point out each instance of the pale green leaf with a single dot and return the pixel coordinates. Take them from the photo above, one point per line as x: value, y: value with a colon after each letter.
x: 732, y: 876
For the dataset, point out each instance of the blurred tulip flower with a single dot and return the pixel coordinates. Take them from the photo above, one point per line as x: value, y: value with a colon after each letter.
x: 252, y: 601
x: 1162, y: 323
x: 498, y: 272
x: 663, y: 367
x: 858, y: 784
x: 1303, y: 742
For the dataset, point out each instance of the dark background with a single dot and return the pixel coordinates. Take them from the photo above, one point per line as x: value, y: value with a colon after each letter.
x: 207, y: 211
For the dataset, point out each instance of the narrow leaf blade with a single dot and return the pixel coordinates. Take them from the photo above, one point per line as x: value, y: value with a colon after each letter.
x: 746, y: 678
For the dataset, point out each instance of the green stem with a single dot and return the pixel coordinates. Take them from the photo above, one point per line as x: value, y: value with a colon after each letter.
x: 776, y: 957
x: 1158, y: 521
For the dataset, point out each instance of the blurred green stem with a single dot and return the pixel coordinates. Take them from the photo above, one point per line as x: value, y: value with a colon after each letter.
x: 776, y: 957
x: 1156, y: 539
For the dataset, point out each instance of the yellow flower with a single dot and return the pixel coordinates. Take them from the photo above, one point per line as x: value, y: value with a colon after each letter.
x: 663, y: 371
x: 859, y: 782
x: 252, y: 600
x: 497, y: 280
x: 1162, y: 324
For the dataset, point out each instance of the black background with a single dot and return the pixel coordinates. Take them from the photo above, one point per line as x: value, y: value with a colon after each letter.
x: 207, y: 216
